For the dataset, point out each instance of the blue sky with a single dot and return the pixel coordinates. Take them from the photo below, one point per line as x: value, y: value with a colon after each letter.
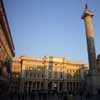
x: 51, y: 27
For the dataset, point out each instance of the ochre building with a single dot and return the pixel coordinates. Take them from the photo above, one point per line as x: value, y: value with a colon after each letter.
x: 6, y: 42
x: 49, y: 73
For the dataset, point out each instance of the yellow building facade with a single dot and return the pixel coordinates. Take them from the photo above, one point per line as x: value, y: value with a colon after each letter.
x: 6, y: 42
x: 49, y: 73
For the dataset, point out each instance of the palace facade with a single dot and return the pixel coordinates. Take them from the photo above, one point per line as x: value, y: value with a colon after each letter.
x: 6, y: 42
x: 48, y: 73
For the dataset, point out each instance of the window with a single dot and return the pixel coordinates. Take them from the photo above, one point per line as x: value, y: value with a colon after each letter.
x: 42, y: 75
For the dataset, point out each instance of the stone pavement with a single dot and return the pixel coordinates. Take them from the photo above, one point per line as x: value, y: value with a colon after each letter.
x: 56, y: 97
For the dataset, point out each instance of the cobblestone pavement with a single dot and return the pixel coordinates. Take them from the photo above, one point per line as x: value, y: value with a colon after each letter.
x: 55, y: 97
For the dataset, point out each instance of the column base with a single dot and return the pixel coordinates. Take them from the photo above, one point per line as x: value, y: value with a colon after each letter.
x: 93, y: 83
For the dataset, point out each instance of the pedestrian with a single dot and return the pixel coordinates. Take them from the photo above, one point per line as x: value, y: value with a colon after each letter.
x: 11, y: 89
x: 4, y: 82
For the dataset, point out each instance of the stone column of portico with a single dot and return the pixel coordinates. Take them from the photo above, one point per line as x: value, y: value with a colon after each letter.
x: 87, y: 16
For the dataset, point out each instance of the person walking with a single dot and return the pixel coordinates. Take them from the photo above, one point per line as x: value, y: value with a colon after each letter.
x: 4, y: 82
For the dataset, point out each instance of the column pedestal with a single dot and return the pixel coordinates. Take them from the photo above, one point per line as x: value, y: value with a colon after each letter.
x: 93, y: 83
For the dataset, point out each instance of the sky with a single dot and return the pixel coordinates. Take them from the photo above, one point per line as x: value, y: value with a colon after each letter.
x: 51, y: 27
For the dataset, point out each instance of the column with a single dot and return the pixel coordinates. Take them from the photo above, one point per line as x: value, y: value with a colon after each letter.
x: 87, y: 16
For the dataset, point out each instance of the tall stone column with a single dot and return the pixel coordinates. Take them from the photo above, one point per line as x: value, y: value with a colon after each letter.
x: 87, y: 16
x: 93, y: 77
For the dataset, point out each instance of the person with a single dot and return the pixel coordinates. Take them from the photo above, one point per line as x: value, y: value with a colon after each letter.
x: 4, y: 82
